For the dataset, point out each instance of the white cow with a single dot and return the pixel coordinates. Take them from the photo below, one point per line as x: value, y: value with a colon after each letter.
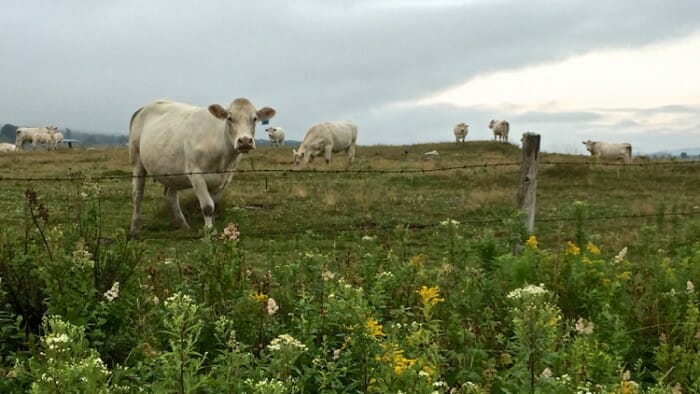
x: 56, y: 139
x: 5, y: 147
x: 35, y: 135
x: 183, y: 146
x: 326, y: 138
x: 500, y: 130
x: 610, y: 150
x: 276, y: 135
x: 461, y: 130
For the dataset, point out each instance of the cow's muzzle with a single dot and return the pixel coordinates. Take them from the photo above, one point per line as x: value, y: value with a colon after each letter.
x: 244, y: 144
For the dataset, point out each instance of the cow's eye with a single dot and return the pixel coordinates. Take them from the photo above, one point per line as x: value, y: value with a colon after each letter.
x: 255, y: 118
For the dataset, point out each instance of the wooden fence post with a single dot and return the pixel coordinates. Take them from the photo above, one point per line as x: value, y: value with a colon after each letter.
x: 528, y: 178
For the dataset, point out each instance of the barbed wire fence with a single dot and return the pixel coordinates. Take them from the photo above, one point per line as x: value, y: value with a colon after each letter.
x: 286, y: 173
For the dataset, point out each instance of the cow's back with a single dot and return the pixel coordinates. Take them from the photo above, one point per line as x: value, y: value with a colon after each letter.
x: 342, y: 133
x: 158, y: 131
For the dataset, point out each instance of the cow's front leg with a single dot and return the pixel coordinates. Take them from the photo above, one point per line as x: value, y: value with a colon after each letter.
x: 206, y: 203
x: 171, y: 196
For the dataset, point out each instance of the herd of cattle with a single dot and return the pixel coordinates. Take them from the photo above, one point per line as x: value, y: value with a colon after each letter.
x: 183, y: 146
x: 609, y: 151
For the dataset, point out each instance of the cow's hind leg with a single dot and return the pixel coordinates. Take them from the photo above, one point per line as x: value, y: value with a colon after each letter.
x: 138, y: 184
x: 171, y: 196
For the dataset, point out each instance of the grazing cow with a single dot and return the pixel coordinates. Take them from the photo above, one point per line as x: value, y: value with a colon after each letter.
x: 500, y: 130
x: 326, y: 138
x: 183, y: 146
x: 610, y: 150
x: 276, y: 135
x: 36, y: 135
x: 461, y: 130
x: 5, y: 147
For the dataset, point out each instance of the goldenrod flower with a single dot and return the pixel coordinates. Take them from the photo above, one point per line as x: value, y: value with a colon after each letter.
x: 592, y: 248
x: 624, y: 275
x: 418, y: 260
x: 430, y: 295
x: 531, y: 242
x: 394, y: 356
x: 571, y: 248
x: 259, y: 297
x: 374, y: 328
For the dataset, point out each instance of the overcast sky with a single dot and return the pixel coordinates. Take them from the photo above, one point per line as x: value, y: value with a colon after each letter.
x: 404, y: 70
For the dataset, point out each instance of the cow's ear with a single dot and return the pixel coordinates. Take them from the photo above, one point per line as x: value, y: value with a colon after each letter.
x: 265, y: 113
x: 294, y: 151
x: 218, y: 111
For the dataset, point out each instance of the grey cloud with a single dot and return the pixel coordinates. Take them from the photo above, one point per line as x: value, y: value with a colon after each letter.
x: 91, y: 64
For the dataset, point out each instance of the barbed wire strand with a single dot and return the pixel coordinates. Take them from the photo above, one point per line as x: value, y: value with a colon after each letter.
x: 81, y: 177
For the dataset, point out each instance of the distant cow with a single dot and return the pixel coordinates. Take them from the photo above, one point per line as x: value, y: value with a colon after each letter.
x: 38, y: 136
x: 610, y: 151
x: 461, y: 130
x: 276, y: 135
x: 56, y: 139
x: 326, y: 138
x: 500, y: 130
x: 183, y: 146
x: 5, y: 147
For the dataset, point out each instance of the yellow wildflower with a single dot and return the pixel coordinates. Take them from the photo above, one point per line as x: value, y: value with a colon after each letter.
x: 532, y: 242
x: 571, y: 248
x: 592, y: 248
x: 395, y: 357
x: 430, y: 295
x: 259, y: 297
x: 624, y: 275
x: 418, y: 260
x: 374, y: 328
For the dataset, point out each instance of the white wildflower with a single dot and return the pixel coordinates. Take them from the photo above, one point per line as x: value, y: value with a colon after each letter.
x: 327, y: 275
x: 584, y: 327
x: 112, y: 293
x: 368, y: 238
x: 621, y: 255
x: 449, y: 222
x: 287, y: 341
x: 336, y: 354
x: 547, y: 373
x: 272, y: 306
x: 423, y: 374
x: 689, y: 287
x: 529, y: 290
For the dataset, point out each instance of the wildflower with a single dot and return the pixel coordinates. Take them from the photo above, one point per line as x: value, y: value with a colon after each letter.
x: 336, y: 353
x: 112, y: 293
x: 259, y: 297
x: 327, y: 275
x: 531, y: 242
x: 396, y: 358
x: 374, y: 328
x: 230, y: 233
x: 430, y: 295
x: 287, y: 341
x: 547, y: 373
x: 592, y: 248
x: 418, y: 260
x: 624, y: 275
x: 571, y: 248
x: 368, y: 238
x: 584, y: 327
x: 527, y: 291
x: 449, y: 222
x: 689, y: 287
x: 272, y: 306
x: 621, y: 255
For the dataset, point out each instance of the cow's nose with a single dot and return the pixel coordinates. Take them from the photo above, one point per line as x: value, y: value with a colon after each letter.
x: 245, y: 143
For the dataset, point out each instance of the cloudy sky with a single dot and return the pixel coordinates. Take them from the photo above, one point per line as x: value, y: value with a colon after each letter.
x: 404, y: 70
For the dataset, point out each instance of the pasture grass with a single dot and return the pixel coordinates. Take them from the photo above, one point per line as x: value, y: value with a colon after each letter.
x: 376, y: 272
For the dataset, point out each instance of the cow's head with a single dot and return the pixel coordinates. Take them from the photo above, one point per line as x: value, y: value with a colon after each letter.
x: 590, y: 145
x: 298, y: 156
x: 491, y: 123
x: 241, y: 118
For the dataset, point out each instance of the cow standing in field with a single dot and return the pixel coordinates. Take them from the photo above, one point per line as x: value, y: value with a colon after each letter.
x: 610, y: 151
x: 183, y: 146
x: 38, y: 136
x: 276, y: 135
x: 500, y: 130
x: 327, y: 138
x: 461, y: 130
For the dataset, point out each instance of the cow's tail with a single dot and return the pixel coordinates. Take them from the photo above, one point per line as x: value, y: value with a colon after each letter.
x: 134, y: 138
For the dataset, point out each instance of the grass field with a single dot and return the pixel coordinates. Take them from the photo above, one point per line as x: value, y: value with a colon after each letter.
x: 376, y: 237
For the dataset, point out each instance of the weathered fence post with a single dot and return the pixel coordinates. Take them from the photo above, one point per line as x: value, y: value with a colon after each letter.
x: 527, y: 192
